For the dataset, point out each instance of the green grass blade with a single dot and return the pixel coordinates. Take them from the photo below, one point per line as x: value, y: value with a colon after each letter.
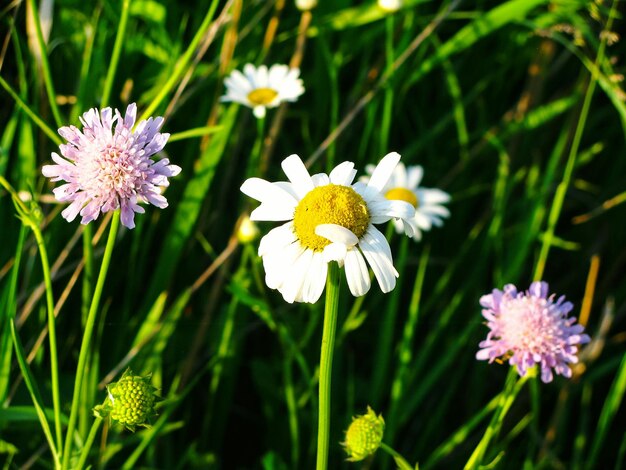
x: 611, y: 404
x: 483, y: 25
x: 189, y: 207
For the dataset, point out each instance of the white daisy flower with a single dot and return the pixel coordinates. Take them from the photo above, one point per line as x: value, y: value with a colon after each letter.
x: 328, y: 219
x: 260, y: 88
x: 306, y: 5
x: 390, y: 5
x: 404, y: 185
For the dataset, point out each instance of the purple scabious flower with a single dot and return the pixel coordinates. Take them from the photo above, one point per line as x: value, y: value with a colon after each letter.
x: 108, y: 168
x: 531, y: 328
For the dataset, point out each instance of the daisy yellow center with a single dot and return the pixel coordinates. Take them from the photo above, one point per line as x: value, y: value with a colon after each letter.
x: 330, y: 204
x: 262, y: 96
x: 403, y: 194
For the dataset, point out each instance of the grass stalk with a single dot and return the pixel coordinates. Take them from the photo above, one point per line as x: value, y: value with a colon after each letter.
x: 115, y: 57
x: 45, y: 66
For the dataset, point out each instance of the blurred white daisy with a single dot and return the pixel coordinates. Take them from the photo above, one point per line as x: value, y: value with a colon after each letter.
x: 404, y: 185
x: 390, y: 5
x: 306, y: 5
x: 260, y: 88
x: 328, y: 219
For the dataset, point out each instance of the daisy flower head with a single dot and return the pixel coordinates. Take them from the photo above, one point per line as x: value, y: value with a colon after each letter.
x: 261, y: 88
x: 531, y: 328
x: 327, y: 218
x: 107, y: 166
x: 404, y: 185
x: 390, y: 6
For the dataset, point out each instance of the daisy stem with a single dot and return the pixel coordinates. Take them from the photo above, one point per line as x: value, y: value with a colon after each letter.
x: 401, y: 462
x: 87, y: 336
x: 507, y: 397
x: 326, y: 364
x: 254, y: 167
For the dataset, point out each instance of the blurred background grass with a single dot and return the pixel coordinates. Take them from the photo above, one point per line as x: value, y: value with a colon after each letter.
x: 487, y: 96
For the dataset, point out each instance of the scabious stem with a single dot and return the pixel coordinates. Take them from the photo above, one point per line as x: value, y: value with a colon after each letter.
x: 84, y: 453
x: 507, y: 397
x: 326, y: 364
x: 87, y: 336
x: 401, y: 462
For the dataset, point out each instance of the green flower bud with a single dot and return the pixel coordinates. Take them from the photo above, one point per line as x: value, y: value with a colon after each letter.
x: 364, y: 436
x: 130, y: 401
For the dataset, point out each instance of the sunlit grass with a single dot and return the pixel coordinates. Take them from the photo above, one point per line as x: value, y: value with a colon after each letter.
x: 516, y: 109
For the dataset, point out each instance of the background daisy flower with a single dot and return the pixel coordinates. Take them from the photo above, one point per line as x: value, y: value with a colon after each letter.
x: 260, y: 88
x: 328, y: 218
x: 404, y: 185
x: 531, y: 328
x: 107, y: 166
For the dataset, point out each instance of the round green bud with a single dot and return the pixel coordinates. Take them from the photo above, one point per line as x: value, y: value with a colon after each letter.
x: 364, y: 436
x: 130, y: 401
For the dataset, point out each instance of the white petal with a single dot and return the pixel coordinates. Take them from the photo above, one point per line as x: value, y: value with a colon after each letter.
x: 377, y: 252
x: 337, y: 234
x: 294, y: 282
x: 435, y: 210
x: 432, y: 196
x: 414, y: 177
x: 343, y: 174
x: 277, y: 239
x: 335, y: 252
x: 271, y: 213
x: 356, y: 273
x: 267, y: 192
x: 383, y: 171
x: 278, y: 265
x: 320, y: 179
x: 316, y: 280
x: 298, y: 175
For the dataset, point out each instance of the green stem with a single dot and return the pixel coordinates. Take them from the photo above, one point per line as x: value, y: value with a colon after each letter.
x: 181, y: 66
x: 45, y: 66
x: 30, y: 113
x: 507, y: 397
x: 52, y: 336
x: 34, y: 392
x: 115, y: 57
x: 405, y: 352
x: 401, y: 462
x: 84, y: 83
x: 84, y: 453
x: 255, y: 166
x: 388, y: 98
x: 326, y: 364
x: 19, y: 350
x: 87, y: 336
x: 559, y: 197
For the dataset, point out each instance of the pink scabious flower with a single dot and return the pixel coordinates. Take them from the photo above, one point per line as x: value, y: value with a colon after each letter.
x: 109, y: 168
x: 531, y: 328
